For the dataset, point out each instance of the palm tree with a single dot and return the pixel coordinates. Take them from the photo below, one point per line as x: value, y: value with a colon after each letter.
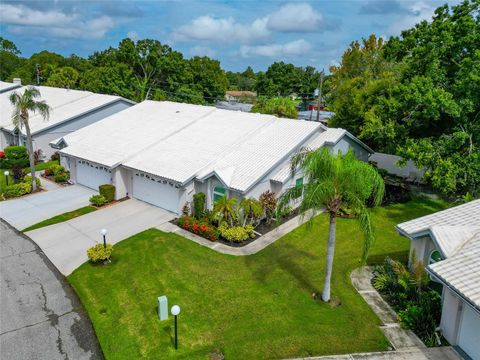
x: 333, y: 182
x: 225, y: 208
x: 23, y: 104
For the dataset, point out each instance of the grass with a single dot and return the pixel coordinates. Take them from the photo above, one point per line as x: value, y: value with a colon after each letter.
x: 38, y: 167
x: 253, y: 307
x: 61, y: 218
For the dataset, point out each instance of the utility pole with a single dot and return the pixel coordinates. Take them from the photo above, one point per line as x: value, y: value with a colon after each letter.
x: 320, y: 84
x: 38, y: 74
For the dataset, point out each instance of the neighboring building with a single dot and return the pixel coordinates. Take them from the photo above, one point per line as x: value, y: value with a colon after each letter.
x: 5, y: 86
x: 241, y: 96
x: 448, y: 242
x: 165, y: 152
x: 389, y: 162
x: 311, y: 115
x: 70, y: 110
x: 232, y: 105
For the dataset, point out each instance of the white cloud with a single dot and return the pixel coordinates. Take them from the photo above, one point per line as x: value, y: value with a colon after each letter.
x: 202, y: 51
x: 418, y: 11
x: 295, y: 17
x: 24, y: 20
x: 222, y: 30
x: 291, y: 49
x: 132, y: 35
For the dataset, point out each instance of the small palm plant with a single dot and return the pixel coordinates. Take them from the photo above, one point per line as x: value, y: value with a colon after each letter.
x: 333, y: 182
x: 225, y: 209
x: 23, y: 104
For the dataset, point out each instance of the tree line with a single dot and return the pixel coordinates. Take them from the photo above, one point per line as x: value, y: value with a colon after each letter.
x: 416, y: 95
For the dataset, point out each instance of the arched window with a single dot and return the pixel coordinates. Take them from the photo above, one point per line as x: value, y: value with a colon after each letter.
x: 218, y: 192
x: 435, y: 256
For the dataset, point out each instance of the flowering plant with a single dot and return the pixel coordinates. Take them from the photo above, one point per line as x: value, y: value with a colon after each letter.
x: 198, y: 227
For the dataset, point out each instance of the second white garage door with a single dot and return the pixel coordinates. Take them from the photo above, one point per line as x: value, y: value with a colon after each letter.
x: 92, y: 175
x: 469, y: 336
x: 155, y: 191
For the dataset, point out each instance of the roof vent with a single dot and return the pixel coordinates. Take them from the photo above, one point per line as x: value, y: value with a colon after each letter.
x: 17, y: 81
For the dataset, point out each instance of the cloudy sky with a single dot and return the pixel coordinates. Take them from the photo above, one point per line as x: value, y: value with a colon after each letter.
x: 238, y: 33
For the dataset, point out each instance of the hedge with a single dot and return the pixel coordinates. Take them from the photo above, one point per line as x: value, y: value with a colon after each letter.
x: 107, y: 191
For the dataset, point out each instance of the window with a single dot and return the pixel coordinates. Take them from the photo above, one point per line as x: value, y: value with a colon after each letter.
x: 435, y: 256
x: 299, y: 182
x: 218, y: 192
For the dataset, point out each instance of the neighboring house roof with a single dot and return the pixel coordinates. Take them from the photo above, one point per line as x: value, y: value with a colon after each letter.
x: 180, y: 142
x: 461, y: 272
x: 235, y: 106
x: 239, y: 93
x: 5, y: 86
x: 456, y: 232
x: 65, y: 105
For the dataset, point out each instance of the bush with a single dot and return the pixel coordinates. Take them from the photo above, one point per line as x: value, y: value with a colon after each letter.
x: 15, y: 156
x: 107, y: 191
x: 55, y: 156
x: 198, y: 227
x: 54, y: 169
x: 97, y: 200
x: 199, y: 205
x: 235, y: 233
x: 28, y: 179
x: 61, y: 177
x: 99, y: 253
x: 269, y: 204
x: 250, y: 230
x: 16, y: 190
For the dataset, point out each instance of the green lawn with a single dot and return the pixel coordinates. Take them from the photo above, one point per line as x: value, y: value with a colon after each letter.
x: 38, y: 167
x: 61, y: 218
x: 253, y: 307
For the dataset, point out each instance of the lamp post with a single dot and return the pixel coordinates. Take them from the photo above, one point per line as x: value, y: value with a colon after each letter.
x: 104, y: 234
x: 175, y: 310
x: 6, y: 173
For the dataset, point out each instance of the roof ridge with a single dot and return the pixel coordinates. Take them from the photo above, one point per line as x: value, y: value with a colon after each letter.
x: 467, y: 241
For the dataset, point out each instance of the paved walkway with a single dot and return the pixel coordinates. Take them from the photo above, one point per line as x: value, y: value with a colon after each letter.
x: 40, y: 315
x: 31, y: 209
x: 66, y: 243
x: 259, y: 244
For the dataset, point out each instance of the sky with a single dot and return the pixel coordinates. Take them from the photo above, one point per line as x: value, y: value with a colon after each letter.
x: 238, y: 33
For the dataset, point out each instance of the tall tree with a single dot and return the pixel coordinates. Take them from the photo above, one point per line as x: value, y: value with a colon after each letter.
x: 279, y: 106
x: 24, y: 104
x: 333, y: 182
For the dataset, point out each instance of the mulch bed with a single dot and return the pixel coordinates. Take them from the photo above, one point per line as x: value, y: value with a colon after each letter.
x: 263, y: 228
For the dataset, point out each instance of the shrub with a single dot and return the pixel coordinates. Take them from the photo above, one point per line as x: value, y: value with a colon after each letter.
x: 28, y: 179
x: 252, y: 211
x: 16, y: 190
x: 107, y: 191
x: 250, y: 230
x: 198, y: 227
x: 37, y: 156
x: 269, y: 204
x: 99, y: 253
x: 235, y: 233
x: 199, y: 205
x: 55, y: 156
x: 61, y: 177
x: 97, y: 200
x: 17, y: 173
x: 16, y: 156
x: 186, y: 209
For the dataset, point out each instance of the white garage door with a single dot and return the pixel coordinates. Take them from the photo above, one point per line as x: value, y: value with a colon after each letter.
x: 92, y: 175
x: 469, y: 335
x: 155, y: 191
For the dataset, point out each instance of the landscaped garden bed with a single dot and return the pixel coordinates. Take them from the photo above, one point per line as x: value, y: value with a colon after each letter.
x: 244, y: 307
x: 230, y: 222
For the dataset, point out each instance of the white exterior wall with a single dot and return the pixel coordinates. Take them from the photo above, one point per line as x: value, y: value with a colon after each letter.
x: 122, y: 179
x: 421, y: 247
x: 345, y: 144
x: 451, y: 314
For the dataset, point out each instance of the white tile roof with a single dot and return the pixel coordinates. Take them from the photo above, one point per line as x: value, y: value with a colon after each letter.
x: 65, y: 104
x: 5, y: 86
x: 467, y: 214
x: 180, y: 141
x: 462, y: 270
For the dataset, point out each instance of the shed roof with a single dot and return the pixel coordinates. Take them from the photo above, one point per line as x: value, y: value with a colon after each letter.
x: 180, y: 142
x: 65, y: 105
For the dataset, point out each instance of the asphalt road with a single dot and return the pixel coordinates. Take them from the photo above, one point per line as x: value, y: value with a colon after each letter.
x: 40, y: 315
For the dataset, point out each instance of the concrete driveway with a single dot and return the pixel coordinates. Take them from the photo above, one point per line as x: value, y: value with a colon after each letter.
x: 41, y: 317
x: 31, y: 209
x: 66, y: 243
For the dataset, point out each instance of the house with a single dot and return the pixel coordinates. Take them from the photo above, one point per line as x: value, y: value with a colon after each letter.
x: 165, y: 152
x: 388, y: 162
x: 323, y: 116
x: 70, y: 110
x: 240, y: 96
x: 448, y: 242
x: 232, y: 105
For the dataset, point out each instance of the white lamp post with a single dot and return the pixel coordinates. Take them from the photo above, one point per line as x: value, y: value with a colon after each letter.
x: 104, y: 234
x: 175, y: 310
x: 6, y: 173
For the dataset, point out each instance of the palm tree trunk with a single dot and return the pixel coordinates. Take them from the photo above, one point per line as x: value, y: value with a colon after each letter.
x: 30, y: 155
x: 330, y: 252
